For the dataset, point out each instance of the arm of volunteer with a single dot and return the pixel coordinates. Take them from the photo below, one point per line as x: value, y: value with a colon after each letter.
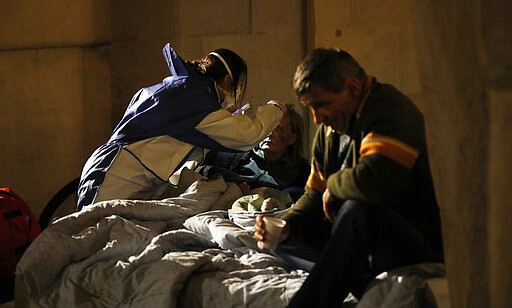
x: 240, y: 131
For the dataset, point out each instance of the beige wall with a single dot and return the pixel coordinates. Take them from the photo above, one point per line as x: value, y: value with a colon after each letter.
x: 55, y: 85
x: 495, y: 47
x: 377, y: 33
x: 458, y: 131
x: 56, y: 23
x: 50, y: 107
x: 500, y: 213
x: 466, y: 69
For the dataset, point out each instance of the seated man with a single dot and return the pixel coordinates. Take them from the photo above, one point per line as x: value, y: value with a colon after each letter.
x: 369, y: 204
x: 277, y: 162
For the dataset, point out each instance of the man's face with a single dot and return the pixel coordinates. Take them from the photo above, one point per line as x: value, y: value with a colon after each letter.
x: 279, y: 139
x: 333, y: 109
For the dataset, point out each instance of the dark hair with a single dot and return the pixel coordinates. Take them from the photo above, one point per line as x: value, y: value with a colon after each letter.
x: 328, y: 68
x: 295, y: 151
x: 214, y: 67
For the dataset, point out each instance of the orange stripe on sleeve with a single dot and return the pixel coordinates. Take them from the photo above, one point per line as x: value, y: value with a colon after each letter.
x: 392, y: 148
x: 316, y: 180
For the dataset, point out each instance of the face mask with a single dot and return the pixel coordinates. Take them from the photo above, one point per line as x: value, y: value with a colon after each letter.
x: 229, y: 100
x: 238, y: 92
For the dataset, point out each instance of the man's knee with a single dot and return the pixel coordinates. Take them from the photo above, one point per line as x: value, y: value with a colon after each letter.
x: 353, y: 209
x: 352, y: 213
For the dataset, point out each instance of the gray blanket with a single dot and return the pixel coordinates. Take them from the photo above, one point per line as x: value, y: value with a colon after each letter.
x: 179, y: 252
x: 167, y: 253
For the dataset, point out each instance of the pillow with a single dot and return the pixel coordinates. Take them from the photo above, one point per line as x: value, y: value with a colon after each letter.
x: 263, y: 199
x: 216, y: 226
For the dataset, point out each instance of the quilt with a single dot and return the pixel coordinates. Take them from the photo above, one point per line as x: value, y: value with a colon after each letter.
x: 185, y: 251
x: 175, y: 252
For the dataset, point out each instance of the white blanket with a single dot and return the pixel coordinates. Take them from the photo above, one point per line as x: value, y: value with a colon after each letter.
x: 155, y: 254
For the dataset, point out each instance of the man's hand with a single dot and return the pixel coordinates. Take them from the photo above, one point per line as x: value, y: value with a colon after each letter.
x: 260, y: 232
x: 331, y: 205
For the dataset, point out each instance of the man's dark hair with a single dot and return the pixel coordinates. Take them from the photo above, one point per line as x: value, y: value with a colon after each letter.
x: 328, y: 68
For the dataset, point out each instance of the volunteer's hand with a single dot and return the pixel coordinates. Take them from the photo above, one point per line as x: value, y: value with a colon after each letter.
x: 231, y: 108
x: 278, y: 104
x: 244, y: 188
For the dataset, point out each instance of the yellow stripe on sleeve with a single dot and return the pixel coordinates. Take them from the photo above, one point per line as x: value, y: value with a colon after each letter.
x: 392, y: 148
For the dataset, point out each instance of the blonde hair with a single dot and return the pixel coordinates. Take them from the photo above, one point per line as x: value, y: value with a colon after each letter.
x: 295, y: 151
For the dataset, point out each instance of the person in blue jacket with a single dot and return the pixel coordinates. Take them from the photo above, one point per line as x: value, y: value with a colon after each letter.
x: 171, y: 125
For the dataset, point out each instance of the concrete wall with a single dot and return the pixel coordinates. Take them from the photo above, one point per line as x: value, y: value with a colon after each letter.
x: 466, y: 69
x: 55, y: 85
x: 459, y: 122
x: 494, y: 55
x: 56, y: 23
x: 378, y: 33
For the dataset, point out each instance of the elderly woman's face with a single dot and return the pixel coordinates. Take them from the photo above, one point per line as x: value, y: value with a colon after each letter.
x: 279, y: 139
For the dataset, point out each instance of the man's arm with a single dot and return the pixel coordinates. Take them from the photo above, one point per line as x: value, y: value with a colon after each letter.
x: 305, y: 219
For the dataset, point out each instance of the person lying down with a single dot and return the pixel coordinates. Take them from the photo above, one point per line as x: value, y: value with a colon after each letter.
x: 277, y: 162
x: 235, y: 198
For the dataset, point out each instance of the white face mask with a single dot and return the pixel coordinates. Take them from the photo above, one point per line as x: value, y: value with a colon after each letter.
x: 228, y: 100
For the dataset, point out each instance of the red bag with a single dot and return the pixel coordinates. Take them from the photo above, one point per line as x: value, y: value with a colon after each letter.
x: 18, y: 228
